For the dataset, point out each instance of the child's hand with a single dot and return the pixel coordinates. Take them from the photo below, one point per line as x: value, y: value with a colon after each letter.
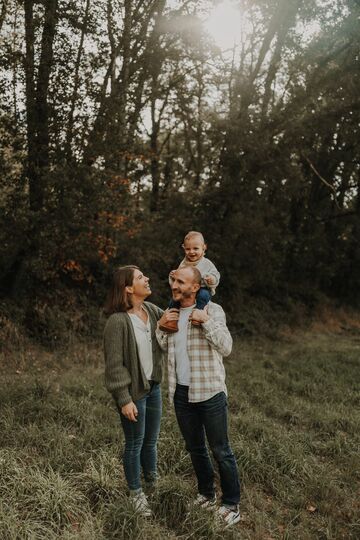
x: 210, y: 280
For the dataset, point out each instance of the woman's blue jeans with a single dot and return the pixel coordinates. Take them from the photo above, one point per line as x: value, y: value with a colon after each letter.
x: 208, y: 418
x: 141, y: 439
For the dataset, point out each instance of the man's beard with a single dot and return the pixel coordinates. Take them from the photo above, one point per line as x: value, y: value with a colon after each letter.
x: 184, y: 294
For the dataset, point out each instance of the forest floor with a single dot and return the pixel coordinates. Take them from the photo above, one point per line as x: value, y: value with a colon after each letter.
x: 294, y: 408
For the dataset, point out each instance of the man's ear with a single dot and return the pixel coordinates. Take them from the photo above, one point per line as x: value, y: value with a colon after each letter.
x: 196, y: 287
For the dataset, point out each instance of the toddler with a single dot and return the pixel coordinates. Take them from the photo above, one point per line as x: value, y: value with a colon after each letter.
x: 194, y: 247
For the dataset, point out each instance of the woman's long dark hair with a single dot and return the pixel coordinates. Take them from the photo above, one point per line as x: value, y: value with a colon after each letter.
x: 118, y: 299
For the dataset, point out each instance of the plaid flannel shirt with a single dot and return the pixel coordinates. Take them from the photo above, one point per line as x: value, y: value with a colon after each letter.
x: 206, y: 346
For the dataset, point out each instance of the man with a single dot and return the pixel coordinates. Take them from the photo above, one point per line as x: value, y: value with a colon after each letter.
x: 197, y: 387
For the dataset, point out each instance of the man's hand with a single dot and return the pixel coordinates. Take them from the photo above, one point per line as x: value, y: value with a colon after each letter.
x: 130, y: 411
x: 210, y: 280
x: 200, y: 315
x: 169, y: 315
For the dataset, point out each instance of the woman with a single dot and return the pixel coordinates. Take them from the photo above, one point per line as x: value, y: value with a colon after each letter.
x: 133, y: 373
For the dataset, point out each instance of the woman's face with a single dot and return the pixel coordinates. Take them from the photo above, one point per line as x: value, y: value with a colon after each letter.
x: 140, y: 286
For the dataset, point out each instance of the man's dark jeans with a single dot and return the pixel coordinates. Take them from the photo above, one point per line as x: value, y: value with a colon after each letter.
x: 208, y: 417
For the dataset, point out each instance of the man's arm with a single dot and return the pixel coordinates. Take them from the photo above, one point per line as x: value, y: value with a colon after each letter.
x: 162, y: 338
x: 215, y: 330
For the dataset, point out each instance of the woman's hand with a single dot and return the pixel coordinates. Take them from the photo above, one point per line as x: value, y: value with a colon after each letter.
x: 130, y: 411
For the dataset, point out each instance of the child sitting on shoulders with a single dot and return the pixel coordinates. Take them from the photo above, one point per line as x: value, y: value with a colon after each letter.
x: 194, y: 247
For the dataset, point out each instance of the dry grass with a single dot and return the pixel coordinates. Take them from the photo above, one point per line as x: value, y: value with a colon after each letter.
x: 294, y: 423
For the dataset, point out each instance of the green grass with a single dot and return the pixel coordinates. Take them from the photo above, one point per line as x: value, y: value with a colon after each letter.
x: 294, y: 425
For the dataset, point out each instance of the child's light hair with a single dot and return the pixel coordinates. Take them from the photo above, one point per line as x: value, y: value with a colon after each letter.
x: 191, y: 234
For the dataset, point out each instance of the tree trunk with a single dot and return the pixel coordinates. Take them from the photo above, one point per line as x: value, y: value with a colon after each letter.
x: 199, y: 163
x: 42, y: 88
x: 289, y: 19
x: 35, y: 190
x: 70, y: 126
x: 4, y: 9
x: 37, y: 109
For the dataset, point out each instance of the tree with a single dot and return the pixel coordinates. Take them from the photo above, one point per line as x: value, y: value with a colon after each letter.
x: 123, y: 125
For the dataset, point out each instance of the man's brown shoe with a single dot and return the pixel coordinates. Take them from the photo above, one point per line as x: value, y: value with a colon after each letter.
x: 170, y: 327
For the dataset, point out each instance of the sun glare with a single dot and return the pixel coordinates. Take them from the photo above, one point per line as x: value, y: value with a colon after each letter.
x: 224, y: 25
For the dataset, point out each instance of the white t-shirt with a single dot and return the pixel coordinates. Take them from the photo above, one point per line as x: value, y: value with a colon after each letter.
x: 143, y: 341
x: 180, y: 342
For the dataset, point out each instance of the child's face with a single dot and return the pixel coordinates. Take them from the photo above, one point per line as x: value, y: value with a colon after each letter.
x: 194, y: 249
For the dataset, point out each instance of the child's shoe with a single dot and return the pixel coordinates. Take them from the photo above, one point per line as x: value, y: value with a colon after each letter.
x: 170, y: 327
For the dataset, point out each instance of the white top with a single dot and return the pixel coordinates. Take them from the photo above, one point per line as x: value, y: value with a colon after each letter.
x: 143, y: 341
x: 180, y: 341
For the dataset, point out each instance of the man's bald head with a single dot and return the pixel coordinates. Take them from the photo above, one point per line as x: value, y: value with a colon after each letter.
x: 186, y: 282
x: 196, y: 276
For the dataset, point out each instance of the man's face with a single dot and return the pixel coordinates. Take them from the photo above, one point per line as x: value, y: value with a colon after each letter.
x: 183, y: 287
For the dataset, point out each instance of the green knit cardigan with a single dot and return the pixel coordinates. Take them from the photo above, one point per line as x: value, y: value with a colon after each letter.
x: 124, y: 375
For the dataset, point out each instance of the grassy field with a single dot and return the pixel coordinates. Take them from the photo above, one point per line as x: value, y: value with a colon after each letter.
x: 294, y: 420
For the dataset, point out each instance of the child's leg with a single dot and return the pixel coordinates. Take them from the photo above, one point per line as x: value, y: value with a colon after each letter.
x: 203, y: 297
x: 174, y: 304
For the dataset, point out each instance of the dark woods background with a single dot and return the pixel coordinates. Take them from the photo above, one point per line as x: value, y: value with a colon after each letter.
x: 123, y: 126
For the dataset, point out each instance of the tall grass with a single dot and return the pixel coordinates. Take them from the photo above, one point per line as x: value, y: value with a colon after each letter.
x: 294, y: 427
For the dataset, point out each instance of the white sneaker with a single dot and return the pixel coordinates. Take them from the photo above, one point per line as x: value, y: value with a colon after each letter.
x: 141, y: 504
x: 205, y: 502
x: 229, y: 515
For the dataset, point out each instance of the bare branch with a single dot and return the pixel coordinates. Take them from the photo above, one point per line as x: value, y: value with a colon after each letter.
x: 327, y: 184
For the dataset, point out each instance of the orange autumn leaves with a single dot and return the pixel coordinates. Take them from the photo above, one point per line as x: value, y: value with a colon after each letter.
x: 101, y: 239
